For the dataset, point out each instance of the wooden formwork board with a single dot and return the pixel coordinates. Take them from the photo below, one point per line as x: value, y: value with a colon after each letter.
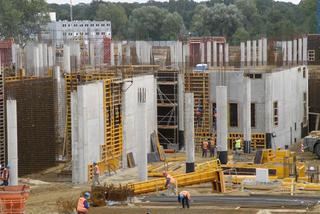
x: 198, y: 84
x: 258, y: 140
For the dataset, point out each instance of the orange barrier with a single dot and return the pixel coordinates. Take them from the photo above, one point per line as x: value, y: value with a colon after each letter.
x: 13, y: 198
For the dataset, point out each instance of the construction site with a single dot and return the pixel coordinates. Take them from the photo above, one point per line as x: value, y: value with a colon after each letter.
x: 236, y: 126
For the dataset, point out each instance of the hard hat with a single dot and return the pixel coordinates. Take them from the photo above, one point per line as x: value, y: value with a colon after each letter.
x: 87, y: 195
x: 94, y: 163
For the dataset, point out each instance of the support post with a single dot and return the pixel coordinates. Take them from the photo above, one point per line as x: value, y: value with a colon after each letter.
x: 247, y: 114
x: 242, y: 57
x: 141, y: 124
x: 189, y: 131
x: 222, y: 123
x: 12, y: 141
x: 248, y: 53
x: 181, y: 110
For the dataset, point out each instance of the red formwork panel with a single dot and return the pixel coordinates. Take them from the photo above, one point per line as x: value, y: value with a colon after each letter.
x: 106, y: 50
x: 6, y: 52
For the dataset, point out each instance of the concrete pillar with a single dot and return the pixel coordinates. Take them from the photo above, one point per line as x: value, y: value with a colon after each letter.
x: 300, y: 50
x: 254, y: 52
x: 247, y: 114
x: 128, y: 55
x: 50, y: 57
x: 36, y: 59
x: 112, y: 53
x: 295, y: 50
x: 265, y: 51
x: 226, y: 54
x: 77, y: 52
x: 209, y: 53
x: 242, y: 56
x: 189, y: 131
x: 249, y: 53
x: 45, y: 59
x: 268, y: 108
x: 215, y: 54
x: 220, y: 54
x: 141, y: 124
x: 76, y: 148
x: 284, y: 52
x: 40, y: 59
x: 181, y: 109
x: 202, y: 52
x: 305, y: 50
x: 91, y: 53
x: 66, y: 59
x: 119, y: 53
x: 222, y: 123
x: 290, y: 52
x: 12, y: 141
x: 260, y: 52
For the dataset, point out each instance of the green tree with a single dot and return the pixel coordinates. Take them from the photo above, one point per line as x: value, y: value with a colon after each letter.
x: 172, y: 26
x: 240, y: 35
x: 22, y: 19
x: 116, y: 14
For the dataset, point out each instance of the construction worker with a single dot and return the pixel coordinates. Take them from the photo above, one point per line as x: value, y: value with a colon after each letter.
x: 204, y: 147
x: 212, y: 147
x: 171, y: 183
x: 83, y: 204
x: 96, y: 174
x: 238, y: 146
x: 5, y: 176
x: 184, y: 198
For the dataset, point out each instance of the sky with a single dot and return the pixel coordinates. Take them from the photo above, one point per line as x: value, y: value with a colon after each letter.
x: 88, y: 1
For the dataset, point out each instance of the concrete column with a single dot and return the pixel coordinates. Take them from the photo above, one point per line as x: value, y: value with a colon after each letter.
x: 77, y: 56
x: 249, y: 53
x: 265, y: 51
x: 222, y: 123
x: 66, y: 59
x: 50, y: 57
x: 202, y: 52
x: 242, y: 50
x: 119, y: 53
x: 181, y: 109
x: 247, y: 114
x: 128, y: 55
x: 295, y: 50
x: 268, y: 109
x: 220, y: 54
x: 209, y: 53
x: 284, y: 52
x: 305, y: 50
x: 290, y: 52
x: 260, y: 52
x: 36, y: 59
x: 226, y: 54
x: 12, y: 141
x: 141, y: 124
x: 189, y: 131
x: 76, y: 148
x: 254, y: 52
x: 215, y: 54
x: 300, y: 50
x: 112, y: 53
x: 40, y: 59
x: 45, y: 59
x: 91, y: 53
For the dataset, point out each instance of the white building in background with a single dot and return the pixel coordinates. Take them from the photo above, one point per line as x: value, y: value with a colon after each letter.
x: 63, y: 31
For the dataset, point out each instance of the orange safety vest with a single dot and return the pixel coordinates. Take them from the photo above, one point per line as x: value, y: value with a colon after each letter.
x: 97, y: 170
x: 172, y: 180
x: 185, y: 194
x: 205, y: 145
x: 80, y: 207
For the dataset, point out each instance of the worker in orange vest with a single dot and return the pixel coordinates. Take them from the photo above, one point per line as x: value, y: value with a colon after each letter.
x: 83, y: 204
x: 5, y: 176
x: 96, y: 174
x: 171, y: 183
x: 184, y: 198
x: 205, y: 146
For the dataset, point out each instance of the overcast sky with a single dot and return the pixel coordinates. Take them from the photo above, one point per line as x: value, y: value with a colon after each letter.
x: 88, y: 1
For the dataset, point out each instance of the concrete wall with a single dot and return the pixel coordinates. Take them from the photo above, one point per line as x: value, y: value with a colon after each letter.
x: 132, y: 112
x: 88, y: 128
x: 286, y: 87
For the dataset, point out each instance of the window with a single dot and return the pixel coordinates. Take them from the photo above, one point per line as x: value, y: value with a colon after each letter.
x: 275, y: 114
x: 97, y: 33
x: 81, y: 25
x: 258, y: 76
x: 91, y: 25
x: 304, y: 72
x: 75, y: 25
x: 103, y: 33
x: 64, y: 25
x: 311, y: 55
x: 68, y: 25
x: 305, y: 110
x: 86, y: 25
x: 233, y: 116
x: 102, y: 25
x: 253, y: 115
x: 64, y: 34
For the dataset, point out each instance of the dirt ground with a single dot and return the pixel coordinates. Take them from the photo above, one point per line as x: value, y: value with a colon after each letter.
x: 48, y: 187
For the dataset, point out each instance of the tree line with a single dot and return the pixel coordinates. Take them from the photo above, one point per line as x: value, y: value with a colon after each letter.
x: 238, y: 20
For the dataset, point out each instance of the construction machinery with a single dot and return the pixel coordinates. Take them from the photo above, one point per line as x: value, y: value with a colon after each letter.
x: 312, y: 143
